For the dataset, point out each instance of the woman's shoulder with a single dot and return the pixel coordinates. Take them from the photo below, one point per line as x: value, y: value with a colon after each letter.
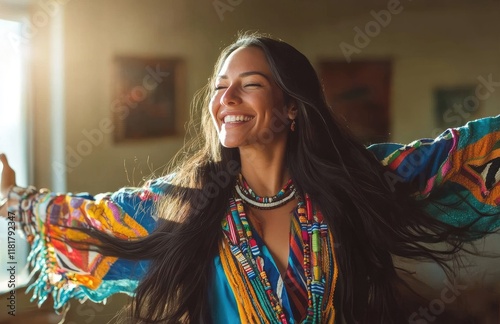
x: 158, y: 186
x: 140, y: 202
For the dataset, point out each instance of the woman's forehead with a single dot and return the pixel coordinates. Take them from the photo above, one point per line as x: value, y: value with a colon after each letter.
x: 245, y: 59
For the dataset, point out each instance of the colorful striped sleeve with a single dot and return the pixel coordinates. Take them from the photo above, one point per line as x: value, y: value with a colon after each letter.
x: 428, y: 163
x: 460, y: 169
x: 65, y: 272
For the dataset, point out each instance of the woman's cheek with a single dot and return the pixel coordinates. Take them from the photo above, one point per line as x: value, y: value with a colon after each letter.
x: 213, y: 108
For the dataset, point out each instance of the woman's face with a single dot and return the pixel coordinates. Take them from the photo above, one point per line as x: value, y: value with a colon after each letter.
x: 248, y: 107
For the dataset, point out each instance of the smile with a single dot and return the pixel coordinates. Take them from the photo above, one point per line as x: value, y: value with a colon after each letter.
x: 236, y: 119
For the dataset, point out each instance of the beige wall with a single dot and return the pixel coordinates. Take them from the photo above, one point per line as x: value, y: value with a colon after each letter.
x: 430, y: 46
x: 450, y: 43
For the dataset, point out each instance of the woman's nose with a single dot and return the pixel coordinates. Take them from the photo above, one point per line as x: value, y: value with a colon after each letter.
x: 230, y: 97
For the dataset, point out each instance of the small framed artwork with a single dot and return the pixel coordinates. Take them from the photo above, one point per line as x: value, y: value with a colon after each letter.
x: 148, y: 94
x: 454, y: 106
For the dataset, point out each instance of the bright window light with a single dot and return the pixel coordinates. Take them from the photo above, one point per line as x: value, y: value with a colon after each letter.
x: 14, y: 143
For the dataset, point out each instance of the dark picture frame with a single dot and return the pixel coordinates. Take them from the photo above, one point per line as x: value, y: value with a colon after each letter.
x: 148, y: 94
x: 359, y: 93
x: 455, y: 105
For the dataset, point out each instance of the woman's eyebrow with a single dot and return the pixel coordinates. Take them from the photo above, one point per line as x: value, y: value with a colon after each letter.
x: 245, y: 74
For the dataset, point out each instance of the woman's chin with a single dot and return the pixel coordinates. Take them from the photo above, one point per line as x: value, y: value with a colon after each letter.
x: 230, y: 143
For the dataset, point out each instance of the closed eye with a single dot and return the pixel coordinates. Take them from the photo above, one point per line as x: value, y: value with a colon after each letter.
x: 252, y: 85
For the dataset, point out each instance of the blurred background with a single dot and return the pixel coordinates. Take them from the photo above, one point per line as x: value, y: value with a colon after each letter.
x: 95, y: 94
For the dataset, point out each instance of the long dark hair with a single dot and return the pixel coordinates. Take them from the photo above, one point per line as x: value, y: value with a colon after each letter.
x: 370, y: 221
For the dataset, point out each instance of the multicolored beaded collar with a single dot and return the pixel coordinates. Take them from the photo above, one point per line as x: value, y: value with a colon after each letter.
x: 286, y: 194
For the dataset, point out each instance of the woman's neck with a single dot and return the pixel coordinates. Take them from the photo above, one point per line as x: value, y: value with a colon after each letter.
x: 264, y: 170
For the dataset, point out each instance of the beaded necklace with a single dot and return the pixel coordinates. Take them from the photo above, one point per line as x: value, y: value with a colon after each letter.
x: 286, y: 194
x: 245, y: 250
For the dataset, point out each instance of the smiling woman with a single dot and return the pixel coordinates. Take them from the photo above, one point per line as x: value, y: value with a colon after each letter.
x: 247, y: 101
x: 299, y: 221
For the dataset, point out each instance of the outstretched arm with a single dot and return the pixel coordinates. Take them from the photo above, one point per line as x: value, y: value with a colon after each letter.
x: 49, y: 219
x: 429, y: 163
x: 459, y: 170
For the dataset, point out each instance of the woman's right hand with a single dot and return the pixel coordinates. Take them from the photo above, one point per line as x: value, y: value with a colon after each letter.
x: 8, y: 180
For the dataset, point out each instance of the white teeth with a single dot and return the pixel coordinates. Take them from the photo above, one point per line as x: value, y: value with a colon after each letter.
x: 236, y: 118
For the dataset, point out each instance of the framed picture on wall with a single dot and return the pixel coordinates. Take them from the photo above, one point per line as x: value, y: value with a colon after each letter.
x: 359, y: 92
x: 148, y: 93
x: 454, y: 106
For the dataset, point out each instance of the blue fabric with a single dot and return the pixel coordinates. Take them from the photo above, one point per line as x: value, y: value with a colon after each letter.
x: 221, y: 297
x: 222, y: 300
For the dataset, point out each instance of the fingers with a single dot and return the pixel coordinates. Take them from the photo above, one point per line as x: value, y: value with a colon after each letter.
x: 8, y: 177
x: 5, y: 162
x: 3, y: 158
x: 6, y: 165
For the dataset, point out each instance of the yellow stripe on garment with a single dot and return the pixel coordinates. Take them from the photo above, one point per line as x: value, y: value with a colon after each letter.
x: 329, y: 309
x: 74, y: 244
x: 238, y: 282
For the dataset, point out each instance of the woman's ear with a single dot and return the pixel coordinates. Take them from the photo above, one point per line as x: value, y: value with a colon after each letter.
x: 292, y: 111
x: 292, y: 114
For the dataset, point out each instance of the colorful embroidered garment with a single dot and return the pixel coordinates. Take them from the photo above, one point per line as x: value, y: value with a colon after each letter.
x: 244, y: 265
x: 460, y: 170
x: 67, y: 273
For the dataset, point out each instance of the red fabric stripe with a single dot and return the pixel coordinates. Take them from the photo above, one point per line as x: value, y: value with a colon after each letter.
x: 296, y: 292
